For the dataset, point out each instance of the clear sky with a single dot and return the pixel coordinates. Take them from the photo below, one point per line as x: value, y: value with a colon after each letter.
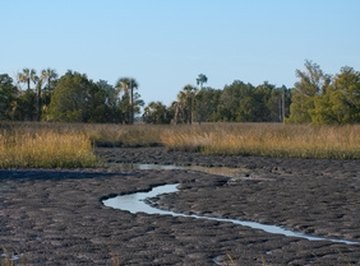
x: 165, y: 44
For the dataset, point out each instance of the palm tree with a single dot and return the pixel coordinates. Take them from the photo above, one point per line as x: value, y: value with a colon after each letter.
x: 201, y: 79
x: 128, y: 85
x: 46, y: 77
x: 26, y: 76
x: 186, y: 99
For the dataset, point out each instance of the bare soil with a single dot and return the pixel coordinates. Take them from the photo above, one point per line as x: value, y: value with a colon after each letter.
x: 55, y: 217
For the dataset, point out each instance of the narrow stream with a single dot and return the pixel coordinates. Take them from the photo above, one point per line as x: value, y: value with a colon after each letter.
x: 136, y: 202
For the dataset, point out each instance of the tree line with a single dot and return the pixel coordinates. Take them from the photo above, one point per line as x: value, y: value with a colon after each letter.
x: 315, y: 98
x: 238, y: 102
x: 71, y: 98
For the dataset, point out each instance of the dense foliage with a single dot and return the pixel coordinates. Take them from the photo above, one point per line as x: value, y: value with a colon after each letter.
x: 316, y: 98
x: 8, y: 93
x: 322, y: 99
x: 71, y: 98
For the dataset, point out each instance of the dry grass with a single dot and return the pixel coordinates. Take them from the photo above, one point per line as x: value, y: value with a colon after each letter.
x: 272, y: 140
x: 60, y: 145
x: 45, y: 148
x: 52, y: 145
x: 125, y: 135
x: 6, y: 262
x: 9, y: 259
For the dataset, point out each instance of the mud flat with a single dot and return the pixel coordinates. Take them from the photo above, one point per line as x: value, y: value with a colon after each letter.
x: 56, y: 217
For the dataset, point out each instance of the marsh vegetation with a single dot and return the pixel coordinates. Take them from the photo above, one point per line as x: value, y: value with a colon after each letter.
x: 54, y: 145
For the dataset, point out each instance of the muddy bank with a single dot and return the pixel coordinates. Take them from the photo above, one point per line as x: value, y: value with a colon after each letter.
x: 55, y: 217
x: 319, y: 196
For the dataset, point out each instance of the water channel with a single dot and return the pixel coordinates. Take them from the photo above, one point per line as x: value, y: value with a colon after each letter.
x: 234, y: 173
x: 137, y: 202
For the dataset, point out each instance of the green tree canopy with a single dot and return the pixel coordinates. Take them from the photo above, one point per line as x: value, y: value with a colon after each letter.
x: 341, y: 102
x: 156, y: 113
x: 185, y: 104
x: 201, y: 80
x: 206, y: 104
x: 237, y: 102
x: 25, y: 109
x: 74, y: 99
x: 8, y: 94
x: 312, y: 83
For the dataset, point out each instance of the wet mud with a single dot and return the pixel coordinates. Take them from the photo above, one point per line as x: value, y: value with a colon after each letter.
x: 56, y: 217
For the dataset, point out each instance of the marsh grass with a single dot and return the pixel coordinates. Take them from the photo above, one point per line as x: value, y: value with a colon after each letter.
x: 61, y: 145
x: 7, y: 259
x: 272, y: 140
x: 115, y: 260
x: 109, y: 135
x: 45, y: 148
x: 57, y: 145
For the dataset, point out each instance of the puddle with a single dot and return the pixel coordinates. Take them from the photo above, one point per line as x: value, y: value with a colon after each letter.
x: 144, y: 166
x: 136, y: 202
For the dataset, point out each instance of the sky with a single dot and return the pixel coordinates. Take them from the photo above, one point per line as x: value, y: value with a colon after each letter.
x: 165, y: 44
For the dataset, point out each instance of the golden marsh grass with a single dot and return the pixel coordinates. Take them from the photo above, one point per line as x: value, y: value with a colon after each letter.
x: 273, y: 140
x: 125, y: 135
x: 58, y: 145
x: 45, y: 149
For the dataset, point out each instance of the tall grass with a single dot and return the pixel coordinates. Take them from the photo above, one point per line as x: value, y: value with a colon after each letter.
x: 61, y: 145
x: 100, y: 134
x: 45, y: 148
x: 125, y: 135
x: 272, y: 140
x: 51, y: 145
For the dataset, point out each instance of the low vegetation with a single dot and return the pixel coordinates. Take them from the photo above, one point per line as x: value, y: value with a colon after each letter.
x: 45, y: 148
x: 57, y: 145
x: 273, y: 140
x: 110, y: 135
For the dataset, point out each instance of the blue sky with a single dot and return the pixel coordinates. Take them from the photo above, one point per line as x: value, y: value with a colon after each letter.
x: 165, y: 44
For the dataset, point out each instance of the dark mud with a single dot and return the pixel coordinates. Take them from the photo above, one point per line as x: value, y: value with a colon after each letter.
x: 55, y: 217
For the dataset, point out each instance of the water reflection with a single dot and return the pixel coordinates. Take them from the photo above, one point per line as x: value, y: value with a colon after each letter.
x: 135, y: 202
